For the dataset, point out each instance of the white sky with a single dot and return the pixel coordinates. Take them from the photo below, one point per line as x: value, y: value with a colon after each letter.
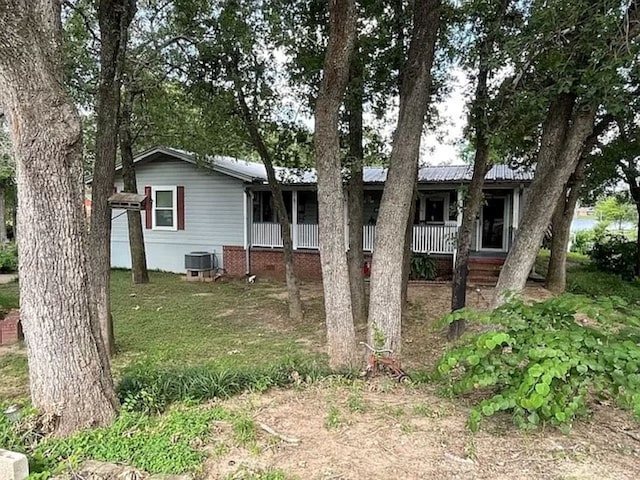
x: 442, y: 146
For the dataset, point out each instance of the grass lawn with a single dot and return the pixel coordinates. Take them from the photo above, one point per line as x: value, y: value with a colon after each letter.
x: 171, y: 321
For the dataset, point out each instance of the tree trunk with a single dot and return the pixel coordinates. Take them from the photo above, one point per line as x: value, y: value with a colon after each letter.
x: 114, y: 17
x: 355, y: 198
x: 633, y: 177
x: 293, y: 289
x: 3, y: 219
x: 331, y: 209
x: 481, y: 166
x: 385, y: 304
x: 564, y: 133
x: 472, y: 205
x: 69, y: 371
x: 556, y: 280
x: 408, y: 253
x: 139, y: 272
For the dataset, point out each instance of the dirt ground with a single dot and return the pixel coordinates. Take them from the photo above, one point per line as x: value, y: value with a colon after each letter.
x: 381, y: 430
x: 397, y: 432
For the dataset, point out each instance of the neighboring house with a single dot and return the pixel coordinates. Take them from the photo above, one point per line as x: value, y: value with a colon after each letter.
x: 223, y: 206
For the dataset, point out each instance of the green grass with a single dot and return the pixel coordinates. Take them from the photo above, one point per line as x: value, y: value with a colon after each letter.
x: 584, y: 279
x: 173, y: 321
x: 9, y: 296
x: 193, y: 334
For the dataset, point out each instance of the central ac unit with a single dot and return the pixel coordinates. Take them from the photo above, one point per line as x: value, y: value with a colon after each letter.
x: 198, y: 261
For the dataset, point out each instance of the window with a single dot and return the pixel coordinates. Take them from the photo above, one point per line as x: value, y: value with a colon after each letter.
x: 435, y: 210
x: 165, y: 210
x: 263, y: 208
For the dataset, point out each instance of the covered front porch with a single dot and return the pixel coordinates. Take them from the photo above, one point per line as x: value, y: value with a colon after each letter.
x: 436, y: 221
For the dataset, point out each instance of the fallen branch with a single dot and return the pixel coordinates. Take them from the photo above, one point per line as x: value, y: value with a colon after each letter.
x: 284, y: 438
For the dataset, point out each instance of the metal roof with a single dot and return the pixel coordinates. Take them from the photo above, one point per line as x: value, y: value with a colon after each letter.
x: 255, y: 172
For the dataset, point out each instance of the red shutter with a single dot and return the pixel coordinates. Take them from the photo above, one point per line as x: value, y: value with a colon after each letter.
x: 147, y: 207
x: 180, y: 192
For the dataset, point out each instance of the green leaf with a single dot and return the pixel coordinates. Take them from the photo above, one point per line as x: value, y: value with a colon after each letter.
x: 582, y: 369
x: 488, y: 410
x: 473, y: 360
x: 536, y: 371
x: 536, y: 401
x: 543, y: 389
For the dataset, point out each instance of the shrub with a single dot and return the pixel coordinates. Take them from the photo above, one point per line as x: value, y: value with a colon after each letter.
x: 615, y: 254
x: 583, y: 242
x: 423, y: 267
x: 8, y: 258
x: 541, y: 364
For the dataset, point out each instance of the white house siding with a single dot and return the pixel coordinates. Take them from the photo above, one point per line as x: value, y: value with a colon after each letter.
x: 213, y: 206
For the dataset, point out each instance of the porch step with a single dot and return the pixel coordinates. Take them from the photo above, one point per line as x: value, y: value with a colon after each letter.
x: 484, y: 271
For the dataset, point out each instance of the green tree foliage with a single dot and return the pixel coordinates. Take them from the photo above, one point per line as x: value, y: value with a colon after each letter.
x: 617, y: 209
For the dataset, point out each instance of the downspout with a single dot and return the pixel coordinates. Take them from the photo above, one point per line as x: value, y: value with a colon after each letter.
x: 248, y: 224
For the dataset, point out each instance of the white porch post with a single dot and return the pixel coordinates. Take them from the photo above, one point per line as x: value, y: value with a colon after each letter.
x: 515, y: 220
x: 294, y: 218
x: 459, y: 207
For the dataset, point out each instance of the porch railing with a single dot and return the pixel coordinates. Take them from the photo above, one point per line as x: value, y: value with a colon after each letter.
x: 266, y: 234
x: 307, y: 235
x: 425, y: 238
x: 434, y: 238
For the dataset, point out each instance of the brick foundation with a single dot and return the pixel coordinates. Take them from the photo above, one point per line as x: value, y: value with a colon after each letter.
x: 10, y: 329
x: 268, y: 262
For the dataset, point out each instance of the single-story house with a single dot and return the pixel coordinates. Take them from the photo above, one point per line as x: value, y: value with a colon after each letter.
x: 223, y: 206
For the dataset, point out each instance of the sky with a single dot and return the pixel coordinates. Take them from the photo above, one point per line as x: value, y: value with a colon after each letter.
x: 443, y: 145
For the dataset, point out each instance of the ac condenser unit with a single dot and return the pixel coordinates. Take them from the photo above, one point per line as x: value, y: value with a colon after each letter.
x: 198, y: 261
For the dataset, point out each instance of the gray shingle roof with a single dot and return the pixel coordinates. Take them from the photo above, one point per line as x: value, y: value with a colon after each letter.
x: 255, y: 172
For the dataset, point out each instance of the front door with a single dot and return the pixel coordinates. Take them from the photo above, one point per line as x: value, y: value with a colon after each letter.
x: 493, y: 223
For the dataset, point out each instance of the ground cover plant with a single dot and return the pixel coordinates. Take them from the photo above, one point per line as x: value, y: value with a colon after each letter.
x: 542, y: 362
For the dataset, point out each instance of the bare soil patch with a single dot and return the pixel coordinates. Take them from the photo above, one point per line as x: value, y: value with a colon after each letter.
x: 382, y: 431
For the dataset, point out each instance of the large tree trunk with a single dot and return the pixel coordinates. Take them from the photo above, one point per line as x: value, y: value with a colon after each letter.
x: 139, y: 271
x: 355, y: 197
x: 556, y: 280
x: 293, y: 289
x: 565, y: 131
x: 331, y: 209
x: 114, y: 17
x: 69, y: 370
x: 3, y: 219
x: 385, y: 305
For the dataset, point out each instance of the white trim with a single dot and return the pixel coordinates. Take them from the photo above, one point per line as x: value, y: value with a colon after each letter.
x: 294, y: 218
x: 516, y: 209
x: 459, y: 206
x: 174, y: 190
